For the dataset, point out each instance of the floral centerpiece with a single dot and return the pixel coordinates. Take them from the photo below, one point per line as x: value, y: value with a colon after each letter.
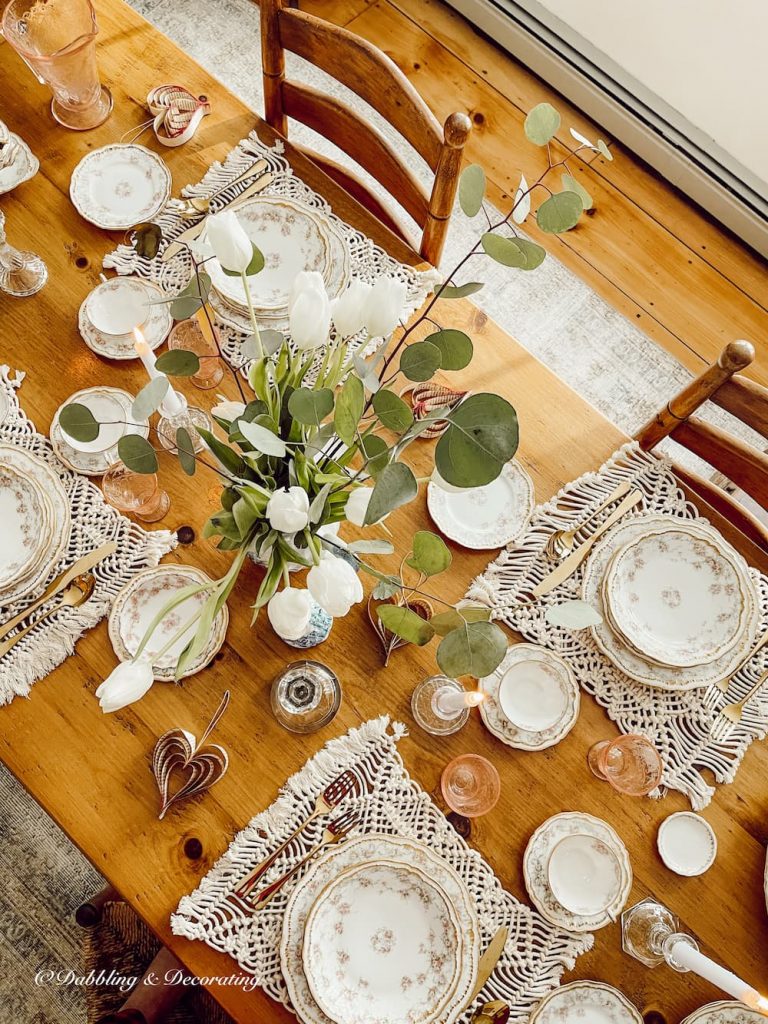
x: 322, y: 436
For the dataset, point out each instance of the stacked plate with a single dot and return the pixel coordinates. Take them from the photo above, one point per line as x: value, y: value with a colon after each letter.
x: 292, y: 237
x: 379, y: 931
x: 115, y: 307
x: 36, y: 522
x: 577, y: 872
x: 590, y: 1001
x: 679, y: 607
x: 724, y: 1012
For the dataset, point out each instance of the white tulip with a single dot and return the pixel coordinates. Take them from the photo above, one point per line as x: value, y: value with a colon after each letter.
x: 310, y: 311
x: 384, y: 306
x: 357, y: 505
x: 231, y: 245
x: 289, y: 612
x: 125, y: 684
x: 334, y: 584
x: 288, y: 510
x: 348, y: 312
x: 227, y: 410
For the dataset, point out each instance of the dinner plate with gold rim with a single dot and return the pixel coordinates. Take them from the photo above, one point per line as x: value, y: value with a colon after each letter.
x: 121, y: 346
x: 23, y: 537
x: 364, y: 850
x: 393, y: 930
x: 590, y: 1001
x: 724, y: 1011
x: 678, y: 596
x: 112, y: 409
x: 628, y: 661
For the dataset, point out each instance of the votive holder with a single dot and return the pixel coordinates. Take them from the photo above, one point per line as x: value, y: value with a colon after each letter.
x: 470, y: 785
x: 137, y: 493
x: 631, y: 764
x: 305, y: 696
x: 441, y: 705
x: 189, y: 418
x: 22, y: 273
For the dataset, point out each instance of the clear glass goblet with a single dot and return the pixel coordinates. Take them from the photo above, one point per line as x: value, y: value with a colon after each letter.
x: 137, y: 493
x: 470, y: 785
x: 305, y: 696
x: 631, y: 764
x: 188, y: 335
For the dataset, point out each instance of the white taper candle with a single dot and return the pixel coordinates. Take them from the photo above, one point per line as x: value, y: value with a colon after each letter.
x: 452, y: 702
x: 173, y: 404
x: 689, y: 957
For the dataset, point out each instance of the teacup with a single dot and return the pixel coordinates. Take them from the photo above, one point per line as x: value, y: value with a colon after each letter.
x: 584, y: 874
x: 118, y: 305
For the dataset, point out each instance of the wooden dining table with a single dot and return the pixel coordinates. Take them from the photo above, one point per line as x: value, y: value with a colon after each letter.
x: 91, y: 772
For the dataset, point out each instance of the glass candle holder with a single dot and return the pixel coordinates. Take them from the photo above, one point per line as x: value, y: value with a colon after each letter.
x: 188, y: 417
x: 631, y: 764
x: 21, y: 273
x: 56, y: 39
x: 441, y: 705
x: 188, y: 335
x: 137, y: 493
x: 305, y: 696
x: 470, y: 785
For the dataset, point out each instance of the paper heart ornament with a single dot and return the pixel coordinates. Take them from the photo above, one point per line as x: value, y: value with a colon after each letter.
x: 177, y: 113
x: 426, y: 398
x: 198, y: 767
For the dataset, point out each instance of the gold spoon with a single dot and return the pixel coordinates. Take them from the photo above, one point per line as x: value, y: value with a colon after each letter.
x: 77, y: 593
x: 495, y: 1012
x: 202, y: 204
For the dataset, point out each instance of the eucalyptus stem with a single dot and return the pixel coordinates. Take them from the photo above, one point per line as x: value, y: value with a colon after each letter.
x: 214, y: 332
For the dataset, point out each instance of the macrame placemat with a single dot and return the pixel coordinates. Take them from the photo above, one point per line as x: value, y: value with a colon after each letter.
x: 367, y: 260
x: 94, y: 522
x: 536, y: 953
x: 676, y: 722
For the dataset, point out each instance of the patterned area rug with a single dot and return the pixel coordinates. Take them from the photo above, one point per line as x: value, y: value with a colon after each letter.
x: 550, y: 311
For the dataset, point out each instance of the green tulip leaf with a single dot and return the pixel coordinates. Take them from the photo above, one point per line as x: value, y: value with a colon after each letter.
x: 430, y: 554
x: 349, y: 408
x: 263, y: 440
x: 395, y: 486
x: 393, y: 412
x: 227, y: 457
x: 149, y: 398
x: 472, y: 189
x: 405, y: 623
x: 458, y: 291
x: 310, y: 407
x: 445, y: 622
x: 185, y: 451
x: 541, y: 124
x: 455, y: 347
x: 376, y: 451
x: 482, y: 436
x: 178, y: 362
x: 79, y: 422
x: 474, y: 649
x: 420, y: 361
x: 559, y: 213
x: 571, y: 185
x: 137, y: 454
x: 371, y: 547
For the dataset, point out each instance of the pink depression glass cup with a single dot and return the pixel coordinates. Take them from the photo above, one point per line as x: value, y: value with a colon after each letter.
x: 56, y: 39
x: 138, y: 493
x: 631, y: 764
x: 470, y: 785
x: 188, y: 335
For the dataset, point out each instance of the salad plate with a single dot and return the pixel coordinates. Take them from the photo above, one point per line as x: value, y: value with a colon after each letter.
x: 366, y: 850
x: 536, y: 870
x: 588, y: 1001
x: 486, y: 517
x: 532, y: 700
x: 584, y: 874
x: 111, y: 407
x: 139, y: 602
x: 687, y: 843
x: 121, y: 346
x: 120, y: 185
x: 624, y: 657
x: 119, y: 304
x: 724, y: 1011
x: 393, y: 930
x: 677, y: 596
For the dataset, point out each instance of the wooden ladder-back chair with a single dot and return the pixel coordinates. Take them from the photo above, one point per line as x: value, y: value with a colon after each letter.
x: 742, y: 463
x: 369, y: 73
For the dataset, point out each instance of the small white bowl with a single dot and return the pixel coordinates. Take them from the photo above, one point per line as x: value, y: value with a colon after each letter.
x: 584, y: 874
x: 687, y: 843
x: 118, y: 305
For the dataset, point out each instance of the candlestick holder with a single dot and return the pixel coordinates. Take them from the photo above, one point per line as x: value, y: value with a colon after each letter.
x: 22, y: 273
x: 189, y: 417
x: 305, y: 696
x: 441, y: 705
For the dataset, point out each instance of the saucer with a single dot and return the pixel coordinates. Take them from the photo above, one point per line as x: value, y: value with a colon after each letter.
x: 687, y: 844
x: 120, y: 185
x: 121, y: 346
x: 589, y: 1001
x: 486, y: 517
x: 93, y: 458
x: 584, y: 874
x: 23, y: 166
x: 724, y: 1011
x: 118, y: 305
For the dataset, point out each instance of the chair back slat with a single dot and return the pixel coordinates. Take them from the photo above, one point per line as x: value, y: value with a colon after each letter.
x: 743, y: 464
x: 741, y: 521
x: 746, y: 400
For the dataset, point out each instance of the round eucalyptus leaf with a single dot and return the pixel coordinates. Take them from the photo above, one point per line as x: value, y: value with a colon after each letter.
x: 185, y: 451
x: 456, y: 348
x: 472, y: 189
x: 534, y: 254
x: 459, y: 291
x: 405, y: 623
x: 262, y: 438
x: 179, y: 362
x: 310, y: 407
x: 149, y: 398
x: 603, y: 150
x: 78, y: 422
x: 431, y: 555
x: 482, y: 436
x: 570, y: 184
x: 474, y: 649
x: 541, y: 124
x: 393, y: 412
x: 349, y: 408
x: 559, y: 213
x: 573, y: 615
x: 395, y: 486
x: 420, y: 361
x: 445, y: 622
x: 377, y: 453
x: 503, y: 250
x: 137, y: 454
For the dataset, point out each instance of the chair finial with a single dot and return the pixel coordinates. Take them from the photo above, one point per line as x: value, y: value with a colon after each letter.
x: 736, y: 355
x: 456, y: 129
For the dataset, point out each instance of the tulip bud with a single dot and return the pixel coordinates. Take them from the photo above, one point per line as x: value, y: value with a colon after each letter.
x: 288, y: 510
x: 125, y: 684
x: 384, y: 306
x: 227, y: 410
x: 348, y: 312
x: 289, y: 612
x: 309, y: 311
x: 334, y: 584
x: 357, y: 505
x: 231, y: 245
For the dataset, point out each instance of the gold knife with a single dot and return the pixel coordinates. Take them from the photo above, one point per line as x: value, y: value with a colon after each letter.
x: 488, y: 961
x: 570, y: 564
x: 197, y: 229
x: 81, y: 565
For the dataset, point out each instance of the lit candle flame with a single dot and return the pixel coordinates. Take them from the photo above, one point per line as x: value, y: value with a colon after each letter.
x: 757, y: 1002
x: 140, y: 342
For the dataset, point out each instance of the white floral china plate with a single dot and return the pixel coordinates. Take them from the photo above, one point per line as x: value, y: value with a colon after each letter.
x: 536, y: 864
x: 687, y: 843
x: 139, y: 602
x: 23, y: 514
x: 381, y: 946
x: 584, y: 874
x: 588, y: 1001
x: 111, y: 407
x: 366, y: 850
x: 487, y: 517
x: 532, y: 700
x: 56, y: 522
x: 118, y: 305
x: 121, y: 346
x: 724, y: 1012
x: 678, y: 597
x: 120, y: 185
x: 625, y: 658
x: 23, y: 166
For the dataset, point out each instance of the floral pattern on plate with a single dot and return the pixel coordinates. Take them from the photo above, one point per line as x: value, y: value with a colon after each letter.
x: 21, y: 538
x: 364, y: 850
x: 589, y: 1001
x: 97, y: 463
x: 677, y: 597
x: 121, y: 346
x: 487, y: 517
x: 724, y: 1012
x: 120, y: 185
x: 381, y: 946
x: 536, y: 864
x: 548, y: 668
x: 137, y: 604
x: 624, y: 657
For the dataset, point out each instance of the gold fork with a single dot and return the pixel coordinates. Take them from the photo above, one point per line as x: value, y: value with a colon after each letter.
x: 730, y: 716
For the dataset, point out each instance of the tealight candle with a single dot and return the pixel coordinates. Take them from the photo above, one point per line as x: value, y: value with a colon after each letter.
x: 450, y: 702
x: 173, y: 404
